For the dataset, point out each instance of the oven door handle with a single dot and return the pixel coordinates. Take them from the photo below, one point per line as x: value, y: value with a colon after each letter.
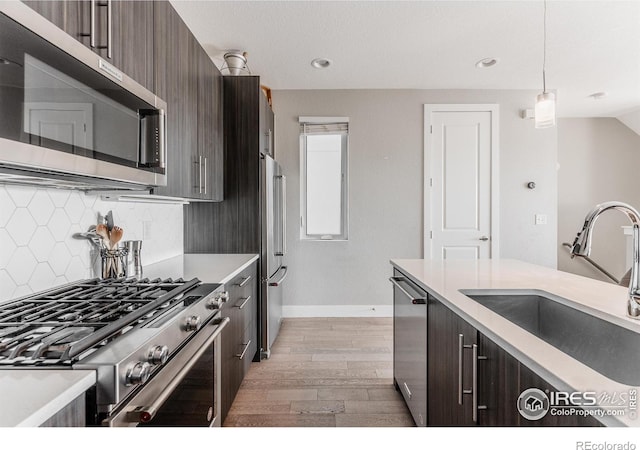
x: 146, y: 413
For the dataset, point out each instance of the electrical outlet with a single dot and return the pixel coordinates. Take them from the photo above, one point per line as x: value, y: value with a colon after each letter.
x: 541, y: 219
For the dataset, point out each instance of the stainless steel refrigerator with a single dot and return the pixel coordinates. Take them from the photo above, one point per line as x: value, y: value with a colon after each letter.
x: 273, y: 192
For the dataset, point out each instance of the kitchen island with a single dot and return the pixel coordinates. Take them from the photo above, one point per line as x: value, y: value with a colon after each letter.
x: 444, y: 280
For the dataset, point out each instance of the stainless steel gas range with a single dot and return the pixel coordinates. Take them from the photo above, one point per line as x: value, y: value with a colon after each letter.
x: 154, y: 345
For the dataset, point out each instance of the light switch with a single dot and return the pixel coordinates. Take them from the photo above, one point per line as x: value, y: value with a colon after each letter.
x: 541, y: 219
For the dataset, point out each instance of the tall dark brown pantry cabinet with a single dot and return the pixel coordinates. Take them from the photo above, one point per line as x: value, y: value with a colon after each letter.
x: 234, y: 225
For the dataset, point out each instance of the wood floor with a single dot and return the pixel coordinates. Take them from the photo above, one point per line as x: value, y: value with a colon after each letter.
x: 324, y: 372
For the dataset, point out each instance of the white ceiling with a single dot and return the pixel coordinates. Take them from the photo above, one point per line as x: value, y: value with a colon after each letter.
x: 592, y: 46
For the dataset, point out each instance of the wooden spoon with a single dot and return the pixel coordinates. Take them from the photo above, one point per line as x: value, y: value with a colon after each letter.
x: 103, y: 232
x: 116, y: 235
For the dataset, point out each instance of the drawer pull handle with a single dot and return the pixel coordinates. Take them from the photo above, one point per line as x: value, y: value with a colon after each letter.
x: 244, y: 282
x: 242, y: 305
x: 244, y: 350
x: 406, y: 388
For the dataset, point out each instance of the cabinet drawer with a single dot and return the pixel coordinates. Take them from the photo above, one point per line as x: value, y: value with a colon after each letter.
x: 249, y: 347
x: 243, y: 284
x: 244, y: 309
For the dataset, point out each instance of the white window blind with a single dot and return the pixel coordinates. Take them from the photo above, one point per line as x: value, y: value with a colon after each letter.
x: 324, y: 178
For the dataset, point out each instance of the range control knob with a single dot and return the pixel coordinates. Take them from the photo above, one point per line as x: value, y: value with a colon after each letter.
x: 213, y: 303
x: 223, y: 296
x: 158, y: 354
x: 192, y: 323
x: 138, y: 373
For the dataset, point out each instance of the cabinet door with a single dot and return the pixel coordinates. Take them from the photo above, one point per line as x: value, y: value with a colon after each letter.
x: 210, y: 145
x: 449, y: 371
x: 132, y: 44
x: 410, y: 346
x: 175, y: 83
x: 72, y: 16
x: 498, y: 385
x: 529, y: 379
x: 230, y: 369
x: 131, y: 31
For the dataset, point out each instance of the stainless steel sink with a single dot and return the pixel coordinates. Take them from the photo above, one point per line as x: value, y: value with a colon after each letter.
x: 612, y: 349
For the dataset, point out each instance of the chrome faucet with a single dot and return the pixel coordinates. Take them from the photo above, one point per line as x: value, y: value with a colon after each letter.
x: 582, y: 247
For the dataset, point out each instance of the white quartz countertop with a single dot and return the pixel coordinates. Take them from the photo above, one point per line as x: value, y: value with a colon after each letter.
x: 30, y: 397
x: 445, y: 279
x: 207, y: 267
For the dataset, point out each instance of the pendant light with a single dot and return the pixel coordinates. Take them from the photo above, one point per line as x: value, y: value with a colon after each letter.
x: 545, y: 113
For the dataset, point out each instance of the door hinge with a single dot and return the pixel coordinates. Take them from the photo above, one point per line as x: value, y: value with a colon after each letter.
x: 430, y: 234
x: 431, y: 129
x: 431, y: 182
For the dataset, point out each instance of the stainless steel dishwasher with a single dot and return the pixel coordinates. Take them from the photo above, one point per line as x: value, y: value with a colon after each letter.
x: 410, y: 344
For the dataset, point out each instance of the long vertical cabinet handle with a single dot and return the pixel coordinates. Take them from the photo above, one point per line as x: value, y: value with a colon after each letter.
x: 474, y: 397
x: 92, y: 29
x: 109, y: 29
x: 205, y: 175
x: 460, y: 355
x: 199, y: 174
x: 461, y: 347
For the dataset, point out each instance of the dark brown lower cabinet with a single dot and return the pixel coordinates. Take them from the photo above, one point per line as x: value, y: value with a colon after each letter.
x: 72, y: 415
x: 240, y: 337
x: 484, y: 392
x: 449, y: 357
x: 498, y: 385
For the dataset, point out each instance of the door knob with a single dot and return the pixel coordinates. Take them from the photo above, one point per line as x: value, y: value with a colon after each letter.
x: 484, y: 238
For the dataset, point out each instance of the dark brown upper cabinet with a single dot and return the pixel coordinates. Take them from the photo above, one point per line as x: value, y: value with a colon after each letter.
x: 121, y: 32
x: 187, y: 79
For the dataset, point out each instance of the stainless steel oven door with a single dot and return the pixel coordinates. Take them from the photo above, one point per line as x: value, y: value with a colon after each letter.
x: 186, y: 392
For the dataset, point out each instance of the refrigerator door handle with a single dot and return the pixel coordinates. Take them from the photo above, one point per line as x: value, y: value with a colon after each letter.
x: 283, y: 218
x: 279, y: 282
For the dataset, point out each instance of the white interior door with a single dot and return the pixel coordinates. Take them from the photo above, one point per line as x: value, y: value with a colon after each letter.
x: 459, y: 146
x: 71, y: 123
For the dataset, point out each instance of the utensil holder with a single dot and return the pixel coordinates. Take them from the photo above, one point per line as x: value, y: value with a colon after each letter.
x: 113, y: 262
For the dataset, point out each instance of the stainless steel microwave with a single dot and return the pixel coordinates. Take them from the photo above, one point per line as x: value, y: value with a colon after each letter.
x: 68, y: 117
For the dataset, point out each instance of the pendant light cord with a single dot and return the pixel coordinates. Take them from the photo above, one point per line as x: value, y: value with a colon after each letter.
x: 544, y: 50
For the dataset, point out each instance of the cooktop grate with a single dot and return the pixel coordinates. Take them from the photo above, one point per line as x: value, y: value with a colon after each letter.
x: 56, y: 326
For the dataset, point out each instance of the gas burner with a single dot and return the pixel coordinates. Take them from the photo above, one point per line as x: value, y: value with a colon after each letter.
x: 59, y: 325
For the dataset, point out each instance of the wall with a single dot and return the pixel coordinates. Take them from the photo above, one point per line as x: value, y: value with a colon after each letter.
x: 386, y: 192
x: 599, y: 160
x: 37, y: 246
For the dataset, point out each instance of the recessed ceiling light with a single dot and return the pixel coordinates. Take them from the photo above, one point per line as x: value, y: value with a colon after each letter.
x: 487, y: 62
x: 598, y: 95
x: 321, y: 63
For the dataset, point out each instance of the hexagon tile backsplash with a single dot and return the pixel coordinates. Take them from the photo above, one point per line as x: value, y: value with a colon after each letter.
x: 37, y: 246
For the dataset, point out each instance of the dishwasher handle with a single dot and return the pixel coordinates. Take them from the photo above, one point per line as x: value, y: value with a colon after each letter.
x: 415, y: 300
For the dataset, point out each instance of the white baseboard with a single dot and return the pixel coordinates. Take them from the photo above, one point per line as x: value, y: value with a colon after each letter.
x: 337, y: 311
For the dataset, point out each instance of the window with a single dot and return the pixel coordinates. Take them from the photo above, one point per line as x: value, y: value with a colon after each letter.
x: 323, y: 159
